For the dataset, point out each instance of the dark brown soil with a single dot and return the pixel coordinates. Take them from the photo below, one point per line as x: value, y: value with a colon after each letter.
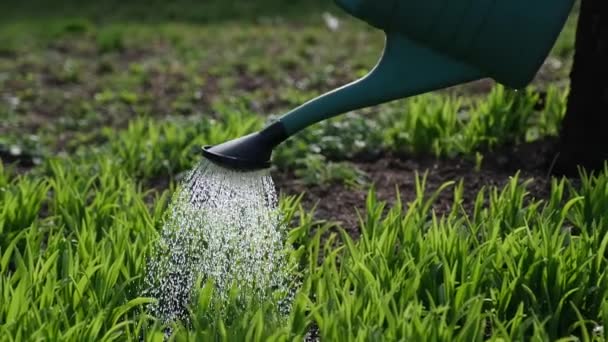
x: 339, y: 203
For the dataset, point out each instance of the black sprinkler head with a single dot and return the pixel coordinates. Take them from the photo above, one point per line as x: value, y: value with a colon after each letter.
x: 249, y: 153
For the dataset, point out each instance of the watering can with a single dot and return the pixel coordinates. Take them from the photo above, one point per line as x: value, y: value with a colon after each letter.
x: 429, y: 45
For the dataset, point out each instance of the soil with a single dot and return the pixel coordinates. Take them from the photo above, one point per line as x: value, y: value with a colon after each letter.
x: 339, y: 203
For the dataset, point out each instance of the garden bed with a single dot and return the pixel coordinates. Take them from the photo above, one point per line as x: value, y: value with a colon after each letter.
x: 100, y: 120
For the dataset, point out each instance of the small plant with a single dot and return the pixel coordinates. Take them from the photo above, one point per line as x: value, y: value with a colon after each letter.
x: 426, y: 124
x: 111, y: 39
x: 478, y: 161
x: 504, y: 117
x: 75, y: 26
x: 347, y: 137
x: 149, y: 148
x: 315, y: 169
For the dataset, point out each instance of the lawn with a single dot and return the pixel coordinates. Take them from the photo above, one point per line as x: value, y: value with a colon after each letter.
x: 430, y: 218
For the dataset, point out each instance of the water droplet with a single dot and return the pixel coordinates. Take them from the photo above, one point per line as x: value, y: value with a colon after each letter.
x: 598, y: 330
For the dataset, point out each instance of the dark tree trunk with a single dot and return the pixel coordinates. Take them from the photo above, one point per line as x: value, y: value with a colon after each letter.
x: 584, y: 135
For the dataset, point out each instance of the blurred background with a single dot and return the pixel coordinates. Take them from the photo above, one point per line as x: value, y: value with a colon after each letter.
x: 77, y: 74
x: 204, y: 11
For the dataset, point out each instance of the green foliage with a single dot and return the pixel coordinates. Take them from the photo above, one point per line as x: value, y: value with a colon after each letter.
x: 21, y: 201
x: 26, y: 147
x: 75, y: 232
x: 508, y: 272
x: 344, y: 137
x: 75, y: 244
x: 503, y: 117
x: 111, y: 39
x: 148, y: 148
x: 548, y: 122
x: 564, y: 46
x: 427, y: 124
x: 74, y: 272
x: 74, y: 26
x: 591, y: 212
x: 446, y: 126
x: 315, y: 169
x: 69, y: 272
x: 68, y: 71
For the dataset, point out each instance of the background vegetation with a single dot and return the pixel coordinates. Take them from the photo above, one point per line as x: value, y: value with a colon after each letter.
x: 103, y: 105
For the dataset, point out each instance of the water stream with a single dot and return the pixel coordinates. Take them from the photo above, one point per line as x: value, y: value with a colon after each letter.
x: 224, y: 225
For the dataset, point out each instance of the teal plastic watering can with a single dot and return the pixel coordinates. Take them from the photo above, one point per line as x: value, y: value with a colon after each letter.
x: 430, y: 45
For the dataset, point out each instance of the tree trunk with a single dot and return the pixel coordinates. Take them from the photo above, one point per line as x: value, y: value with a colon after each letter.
x: 584, y: 131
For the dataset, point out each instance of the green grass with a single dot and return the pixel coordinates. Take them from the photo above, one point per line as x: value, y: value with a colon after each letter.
x: 150, y: 149
x: 431, y: 124
x: 508, y: 271
x: 74, y: 243
x: 111, y: 103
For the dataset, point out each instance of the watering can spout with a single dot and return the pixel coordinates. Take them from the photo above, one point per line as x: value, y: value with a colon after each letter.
x: 249, y: 153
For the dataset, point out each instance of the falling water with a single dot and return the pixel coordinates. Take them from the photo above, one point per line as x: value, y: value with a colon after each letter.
x: 223, y: 225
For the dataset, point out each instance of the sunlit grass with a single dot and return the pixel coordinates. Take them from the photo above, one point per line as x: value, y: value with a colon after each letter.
x: 76, y: 231
x: 75, y: 242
